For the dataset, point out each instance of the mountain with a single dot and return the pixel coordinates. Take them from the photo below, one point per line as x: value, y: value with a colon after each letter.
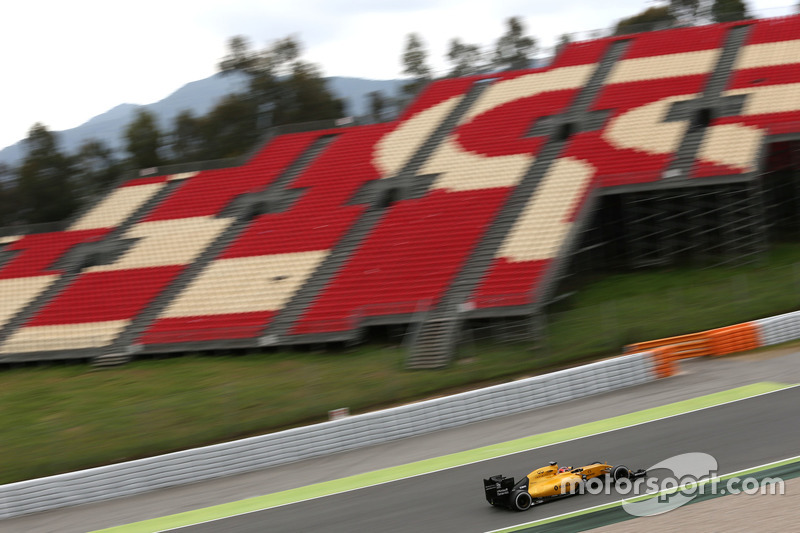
x: 199, y: 97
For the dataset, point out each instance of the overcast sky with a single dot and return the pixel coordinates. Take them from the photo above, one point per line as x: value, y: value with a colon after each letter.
x: 63, y: 62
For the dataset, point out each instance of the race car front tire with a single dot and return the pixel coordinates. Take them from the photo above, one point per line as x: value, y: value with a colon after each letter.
x: 522, y: 501
x: 620, y: 472
x: 594, y: 484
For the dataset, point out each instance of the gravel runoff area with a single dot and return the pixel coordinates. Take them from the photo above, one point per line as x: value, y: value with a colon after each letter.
x: 697, y: 377
x: 738, y: 512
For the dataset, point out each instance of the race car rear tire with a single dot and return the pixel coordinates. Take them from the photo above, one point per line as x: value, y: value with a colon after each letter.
x: 620, y: 472
x: 522, y: 501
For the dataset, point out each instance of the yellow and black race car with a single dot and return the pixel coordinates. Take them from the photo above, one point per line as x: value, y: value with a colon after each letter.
x: 551, y: 482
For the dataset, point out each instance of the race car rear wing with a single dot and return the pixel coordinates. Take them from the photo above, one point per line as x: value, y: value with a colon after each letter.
x: 499, y: 488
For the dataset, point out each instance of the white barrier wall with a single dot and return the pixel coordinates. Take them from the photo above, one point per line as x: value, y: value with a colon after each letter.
x: 292, y: 445
x: 778, y: 329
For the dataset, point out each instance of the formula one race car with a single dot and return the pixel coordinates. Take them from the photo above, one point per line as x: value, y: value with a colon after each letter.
x: 551, y: 482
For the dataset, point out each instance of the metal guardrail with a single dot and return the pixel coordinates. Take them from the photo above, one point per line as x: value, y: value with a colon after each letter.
x: 778, y: 329
x: 255, y: 453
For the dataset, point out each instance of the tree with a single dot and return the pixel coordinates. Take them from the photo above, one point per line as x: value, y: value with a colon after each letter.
x: 229, y: 129
x: 683, y: 13
x: 563, y: 41
x: 688, y: 12
x: 464, y: 58
x: 272, y: 61
x: 9, y: 204
x: 729, y: 10
x: 240, y: 57
x: 144, y: 140
x: 96, y: 168
x: 514, y: 50
x: 414, y: 64
x: 44, y: 184
x: 377, y: 105
x: 186, y: 138
x: 652, y: 18
x: 281, y: 86
x: 305, y: 97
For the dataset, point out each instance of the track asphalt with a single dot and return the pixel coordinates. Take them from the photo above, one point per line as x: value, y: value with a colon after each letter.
x: 614, y: 513
x: 452, y: 499
x: 698, y: 377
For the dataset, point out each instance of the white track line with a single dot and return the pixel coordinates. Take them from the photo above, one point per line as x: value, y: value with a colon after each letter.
x: 589, y: 510
x: 503, y: 455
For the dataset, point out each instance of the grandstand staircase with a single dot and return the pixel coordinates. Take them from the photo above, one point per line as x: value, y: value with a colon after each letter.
x: 711, y: 104
x: 434, y: 341
x: 428, y: 351
x: 407, y: 184
x: 279, y: 328
x: 126, y: 340
x: 276, y: 197
x: 111, y: 359
x: 6, y: 256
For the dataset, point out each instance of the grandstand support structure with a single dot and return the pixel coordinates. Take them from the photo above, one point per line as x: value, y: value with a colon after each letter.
x: 434, y: 343
x: 781, y: 190
x: 715, y: 221
x: 700, y: 224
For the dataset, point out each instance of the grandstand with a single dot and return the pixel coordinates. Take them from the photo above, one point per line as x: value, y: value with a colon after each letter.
x: 626, y: 151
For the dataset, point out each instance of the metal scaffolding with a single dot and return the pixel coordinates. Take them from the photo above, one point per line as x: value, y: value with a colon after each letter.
x: 706, y: 225
x: 696, y: 225
x: 782, y: 204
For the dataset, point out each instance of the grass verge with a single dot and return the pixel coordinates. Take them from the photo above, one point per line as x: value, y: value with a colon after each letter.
x: 61, y: 418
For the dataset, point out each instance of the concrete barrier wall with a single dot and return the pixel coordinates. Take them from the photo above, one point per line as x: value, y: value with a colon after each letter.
x: 317, y: 440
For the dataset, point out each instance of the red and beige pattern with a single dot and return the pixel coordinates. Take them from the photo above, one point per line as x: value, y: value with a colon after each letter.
x: 410, y: 257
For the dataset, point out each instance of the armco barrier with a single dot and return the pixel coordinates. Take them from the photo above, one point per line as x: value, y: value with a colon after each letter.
x: 317, y: 440
x: 691, y: 345
x: 778, y: 329
x: 721, y: 341
x: 665, y: 361
x: 731, y: 339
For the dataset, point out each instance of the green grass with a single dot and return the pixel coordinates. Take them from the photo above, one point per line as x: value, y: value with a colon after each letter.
x: 60, y: 418
x: 56, y: 419
x: 626, y: 308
